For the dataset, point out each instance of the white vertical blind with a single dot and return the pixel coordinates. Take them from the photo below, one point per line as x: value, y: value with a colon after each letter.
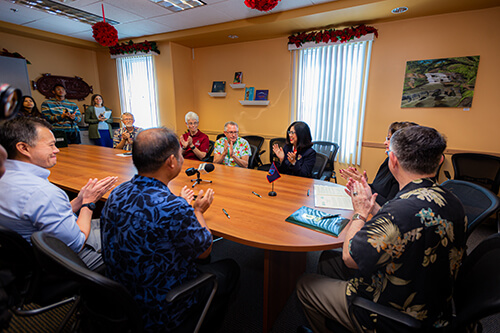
x: 329, y: 94
x: 137, y: 82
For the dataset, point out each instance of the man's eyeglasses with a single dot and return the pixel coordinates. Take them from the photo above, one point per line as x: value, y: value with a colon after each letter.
x: 127, y: 119
x: 291, y: 132
x: 232, y: 133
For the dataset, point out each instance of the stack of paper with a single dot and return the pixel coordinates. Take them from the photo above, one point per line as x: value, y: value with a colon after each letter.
x: 331, y: 197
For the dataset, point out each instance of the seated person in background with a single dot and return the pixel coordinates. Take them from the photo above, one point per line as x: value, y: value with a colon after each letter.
x: 384, y: 184
x: 142, y: 217
x: 29, y: 108
x: 296, y: 157
x: 99, y: 126
x: 232, y: 150
x: 406, y: 256
x: 63, y: 114
x: 30, y: 203
x: 3, y: 159
x: 194, y: 143
x: 124, y: 137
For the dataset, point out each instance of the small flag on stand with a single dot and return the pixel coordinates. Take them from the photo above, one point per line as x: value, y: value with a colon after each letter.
x: 273, y: 174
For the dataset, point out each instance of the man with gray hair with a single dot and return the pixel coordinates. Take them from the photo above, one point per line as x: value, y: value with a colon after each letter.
x: 124, y: 137
x: 194, y: 142
x: 232, y: 150
x: 406, y: 256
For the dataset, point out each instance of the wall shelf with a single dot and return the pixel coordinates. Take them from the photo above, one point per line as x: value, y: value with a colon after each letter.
x: 254, y: 102
x: 237, y: 85
x: 217, y: 94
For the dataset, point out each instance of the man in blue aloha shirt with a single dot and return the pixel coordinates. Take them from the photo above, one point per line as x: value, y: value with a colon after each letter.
x: 406, y: 257
x: 152, y: 238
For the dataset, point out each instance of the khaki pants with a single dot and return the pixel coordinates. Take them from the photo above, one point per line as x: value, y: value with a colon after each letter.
x: 325, y: 296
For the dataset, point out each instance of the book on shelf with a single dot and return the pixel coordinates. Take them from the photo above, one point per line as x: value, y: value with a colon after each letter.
x: 219, y: 86
x: 249, y: 91
x: 261, y: 95
x: 238, y: 77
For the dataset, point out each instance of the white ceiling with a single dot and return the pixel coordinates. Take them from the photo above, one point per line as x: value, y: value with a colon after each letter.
x: 140, y: 17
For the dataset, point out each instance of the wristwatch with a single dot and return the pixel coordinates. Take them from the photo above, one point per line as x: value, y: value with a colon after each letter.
x: 192, y: 147
x: 358, y: 216
x: 89, y: 205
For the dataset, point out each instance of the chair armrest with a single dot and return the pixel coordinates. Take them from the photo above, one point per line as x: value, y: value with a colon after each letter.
x: 447, y: 174
x: 191, y: 286
x: 387, y: 312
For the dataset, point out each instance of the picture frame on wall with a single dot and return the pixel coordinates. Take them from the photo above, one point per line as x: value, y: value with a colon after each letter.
x: 446, y: 82
x: 249, y: 93
x: 238, y: 77
x: 261, y: 95
x: 219, y: 86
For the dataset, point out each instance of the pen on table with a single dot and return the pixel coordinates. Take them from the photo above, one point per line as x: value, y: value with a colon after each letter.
x: 257, y: 194
x: 329, y: 216
x: 224, y: 211
x: 307, y: 192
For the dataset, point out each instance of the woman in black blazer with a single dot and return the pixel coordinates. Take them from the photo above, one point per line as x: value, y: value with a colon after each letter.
x: 296, y: 157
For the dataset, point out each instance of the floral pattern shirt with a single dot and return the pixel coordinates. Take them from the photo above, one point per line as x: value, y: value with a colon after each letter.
x: 408, y: 255
x: 241, y: 148
x: 117, y: 136
x: 150, y: 239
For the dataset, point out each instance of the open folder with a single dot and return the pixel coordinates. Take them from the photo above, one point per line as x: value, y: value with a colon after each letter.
x: 317, y: 220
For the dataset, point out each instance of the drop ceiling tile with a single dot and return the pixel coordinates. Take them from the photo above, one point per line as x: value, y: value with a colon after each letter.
x: 192, y: 18
x: 112, y: 12
x: 59, y: 25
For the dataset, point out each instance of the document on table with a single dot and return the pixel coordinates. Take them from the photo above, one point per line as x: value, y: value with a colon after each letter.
x: 331, y: 197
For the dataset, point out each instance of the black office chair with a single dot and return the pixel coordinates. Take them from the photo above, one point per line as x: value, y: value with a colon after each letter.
x: 30, y: 284
x: 251, y: 159
x: 272, y: 157
x: 480, y: 169
x: 106, y: 305
x: 208, y: 157
x: 479, y: 203
x: 221, y: 135
x: 476, y: 293
x: 257, y: 141
x: 319, y: 166
x: 330, y: 149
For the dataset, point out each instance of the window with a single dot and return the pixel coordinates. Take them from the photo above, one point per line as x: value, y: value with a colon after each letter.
x: 329, y: 94
x: 137, y: 83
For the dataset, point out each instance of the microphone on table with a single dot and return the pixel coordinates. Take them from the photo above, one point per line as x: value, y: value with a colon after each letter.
x: 204, y: 168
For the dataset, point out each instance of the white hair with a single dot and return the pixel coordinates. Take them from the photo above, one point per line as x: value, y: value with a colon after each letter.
x: 191, y: 115
x: 230, y: 123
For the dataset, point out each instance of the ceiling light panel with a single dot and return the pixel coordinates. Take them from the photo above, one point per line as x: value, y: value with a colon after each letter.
x: 179, y: 5
x: 57, y: 8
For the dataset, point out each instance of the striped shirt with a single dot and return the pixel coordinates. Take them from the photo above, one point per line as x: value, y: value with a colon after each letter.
x: 52, y: 111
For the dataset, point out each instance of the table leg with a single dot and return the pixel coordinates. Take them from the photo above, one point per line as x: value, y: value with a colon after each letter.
x: 281, y: 272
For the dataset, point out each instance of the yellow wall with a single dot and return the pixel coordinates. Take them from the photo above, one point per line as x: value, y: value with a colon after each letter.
x: 184, y: 82
x: 57, y: 59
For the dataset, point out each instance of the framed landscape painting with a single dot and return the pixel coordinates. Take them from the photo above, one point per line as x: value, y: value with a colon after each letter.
x: 447, y: 82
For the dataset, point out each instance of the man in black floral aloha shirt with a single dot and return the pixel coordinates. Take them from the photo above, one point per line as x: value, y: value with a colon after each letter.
x: 406, y: 256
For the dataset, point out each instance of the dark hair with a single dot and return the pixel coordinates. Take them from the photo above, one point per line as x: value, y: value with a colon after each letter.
x: 23, y: 129
x: 303, y: 133
x: 399, y: 125
x: 152, y: 147
x: 93, y: 98
x: 34, y: 112
x: 418, y: 148
x: 58, y: 85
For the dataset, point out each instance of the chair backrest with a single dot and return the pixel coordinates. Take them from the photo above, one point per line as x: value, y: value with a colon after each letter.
x: 328, y: 148
x: 280, y: 142
x: 481, y: 169
x: 255, y: 140
x: 479, y: 203
x: 107, y: 305
x: 208, y: 156
x: 477, y: 290
x: 319, y: 166
x: 16, y: 255
x: 251, y: 159
x: 222, y: 135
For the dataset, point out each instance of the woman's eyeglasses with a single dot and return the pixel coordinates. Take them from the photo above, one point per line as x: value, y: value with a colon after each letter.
x: 291, y: 132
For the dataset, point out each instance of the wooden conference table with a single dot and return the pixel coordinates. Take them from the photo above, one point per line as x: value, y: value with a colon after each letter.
x: 254, y: 221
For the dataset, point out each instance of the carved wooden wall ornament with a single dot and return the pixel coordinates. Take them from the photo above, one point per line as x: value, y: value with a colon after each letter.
x: 76, y: 88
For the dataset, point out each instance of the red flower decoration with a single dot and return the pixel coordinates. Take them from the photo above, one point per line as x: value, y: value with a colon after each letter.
x: 105, y: 34
x: 133, y: 48
x: 326, y: 36
x: 262, y: 5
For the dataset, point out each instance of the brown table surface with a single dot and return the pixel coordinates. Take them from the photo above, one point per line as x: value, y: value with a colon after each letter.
x: 255, y: 221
